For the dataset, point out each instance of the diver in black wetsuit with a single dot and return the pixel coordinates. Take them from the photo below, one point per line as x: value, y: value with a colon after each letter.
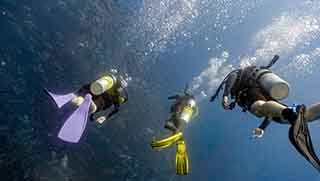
x: 174, y: 123
x: 91, y: 101
x: 259, y: 91
x: 183, y: 110
x: 115, y: 96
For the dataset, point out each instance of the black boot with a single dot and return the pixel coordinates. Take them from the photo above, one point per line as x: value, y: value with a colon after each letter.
x: 289, y: 114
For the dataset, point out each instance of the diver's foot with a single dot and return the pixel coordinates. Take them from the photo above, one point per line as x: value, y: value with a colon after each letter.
x: 301, y: 109
x: 289, y: 114
x: 77, y: 101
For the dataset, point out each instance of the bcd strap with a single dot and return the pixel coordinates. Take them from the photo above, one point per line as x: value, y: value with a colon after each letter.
x: 222, y: 84
x: 259, y: 73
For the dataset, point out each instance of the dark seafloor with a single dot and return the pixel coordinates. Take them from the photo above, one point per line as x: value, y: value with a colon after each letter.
x: 53, y: 44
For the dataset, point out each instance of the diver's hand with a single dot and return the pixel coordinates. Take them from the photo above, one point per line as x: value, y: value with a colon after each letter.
x: 101, y: 119
x: 257, y: 133
x: 225, y: 103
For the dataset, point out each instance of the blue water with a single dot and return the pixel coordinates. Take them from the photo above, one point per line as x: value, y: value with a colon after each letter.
x: 161, y: 45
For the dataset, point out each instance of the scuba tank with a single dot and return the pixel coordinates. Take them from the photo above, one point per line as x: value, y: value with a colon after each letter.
x: 102, y: 85
x: 275, y: 86
x: 188, y: 111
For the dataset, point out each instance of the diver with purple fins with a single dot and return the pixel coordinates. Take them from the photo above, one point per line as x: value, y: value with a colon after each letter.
x: 183, y: 110
x: 91, y: 100
x: 259, y: 91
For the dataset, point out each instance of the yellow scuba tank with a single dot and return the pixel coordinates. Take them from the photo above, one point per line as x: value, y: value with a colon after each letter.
x: 188, y: 111
x: 102, y: 85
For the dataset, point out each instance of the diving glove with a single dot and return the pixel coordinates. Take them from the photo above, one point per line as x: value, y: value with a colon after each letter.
x: 257, y: 133
x: 225, y: 103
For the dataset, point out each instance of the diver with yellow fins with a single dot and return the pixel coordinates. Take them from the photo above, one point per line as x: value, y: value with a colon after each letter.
x: 91, y: 100
x: 183, y: 109
x: 259, y: 91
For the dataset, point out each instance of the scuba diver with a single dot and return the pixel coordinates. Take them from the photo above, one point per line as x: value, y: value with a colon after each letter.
x: 259, y: 91
x: 183, y: 109
x: 91, y: 100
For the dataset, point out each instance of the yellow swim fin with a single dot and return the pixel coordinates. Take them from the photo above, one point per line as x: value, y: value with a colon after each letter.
x: 166, y: 142
x: 182, y: 160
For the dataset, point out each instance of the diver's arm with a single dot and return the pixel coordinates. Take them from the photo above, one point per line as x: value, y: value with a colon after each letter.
x: 313, y: 112
x: 114, y: 111
x: 174, y: 97
x: 265, y: 123
x: 232, y: 78
x: 258, y: 132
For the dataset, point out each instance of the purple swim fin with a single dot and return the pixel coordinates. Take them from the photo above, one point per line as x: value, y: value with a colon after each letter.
x: 74, y: 126
x: 61, y: 100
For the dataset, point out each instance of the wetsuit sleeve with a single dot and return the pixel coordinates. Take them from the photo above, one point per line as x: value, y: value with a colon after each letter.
x: 114, y: 111
x: 232, y: 78
x: 265, y: 123
x: 116, y: 105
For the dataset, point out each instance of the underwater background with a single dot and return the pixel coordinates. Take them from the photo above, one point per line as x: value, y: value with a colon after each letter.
x: 160, y: 45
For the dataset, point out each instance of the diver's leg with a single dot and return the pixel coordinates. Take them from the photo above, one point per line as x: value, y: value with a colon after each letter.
x: 313, y: 112
x: 178, y: 123
x: 170, y: 125
x: 269, y: 109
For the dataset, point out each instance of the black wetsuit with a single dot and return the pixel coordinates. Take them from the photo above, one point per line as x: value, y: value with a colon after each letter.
x: 105, y: 100
x: 174, y: 123
x: 243, y: 88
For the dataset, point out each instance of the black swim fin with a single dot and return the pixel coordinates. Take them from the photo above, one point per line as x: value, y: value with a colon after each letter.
x: 299, y: 136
